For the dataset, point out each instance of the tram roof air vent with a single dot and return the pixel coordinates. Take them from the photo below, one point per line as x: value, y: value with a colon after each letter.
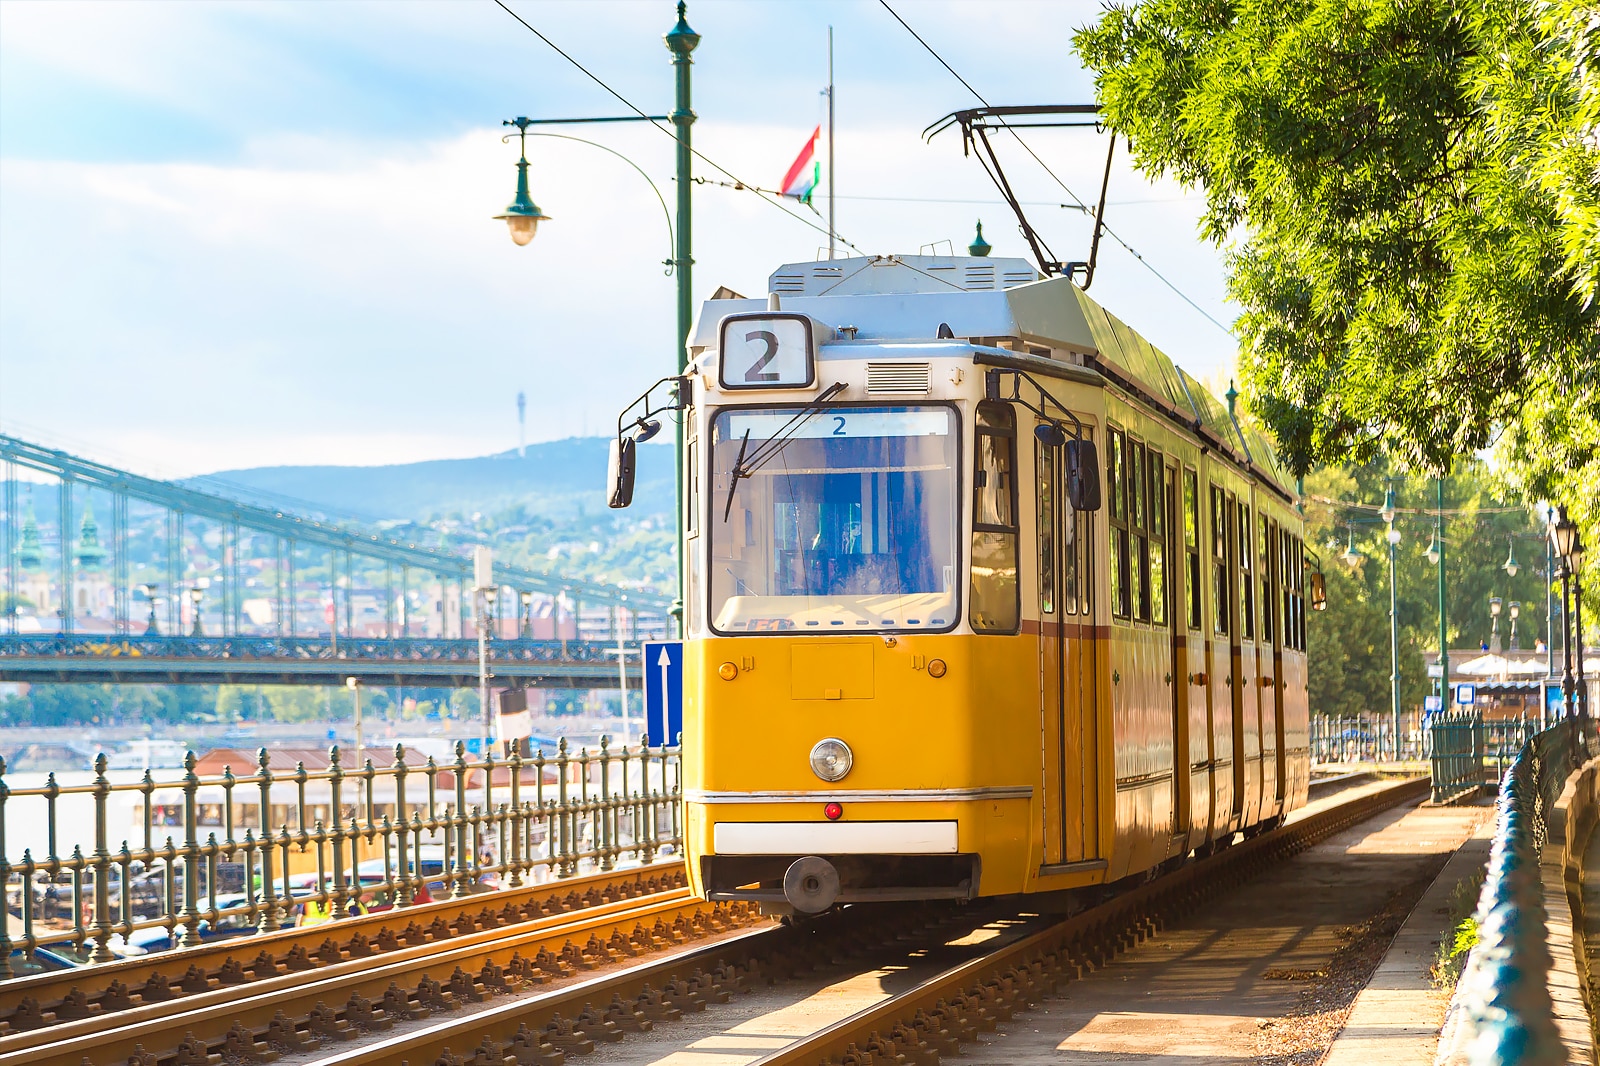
x: 979, y: 276
x: 788, y: 283
x: 904, y: 378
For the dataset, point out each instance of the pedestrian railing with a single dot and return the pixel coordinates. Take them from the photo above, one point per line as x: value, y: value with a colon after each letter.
x: 1455, y: 743
x: 251, y: 849
x: 1502, y: 1011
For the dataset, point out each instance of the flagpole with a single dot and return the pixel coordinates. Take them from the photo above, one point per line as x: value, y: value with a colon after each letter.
x: 830, y: 143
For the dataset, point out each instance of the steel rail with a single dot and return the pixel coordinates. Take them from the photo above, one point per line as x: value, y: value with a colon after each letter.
x: 527, y: 1031
x: 939, y: 1014
x: 338, y: 1002
x: 39, y: 1002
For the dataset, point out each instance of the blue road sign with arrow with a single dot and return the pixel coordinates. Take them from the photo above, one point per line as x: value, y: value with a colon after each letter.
x: 663, y: 691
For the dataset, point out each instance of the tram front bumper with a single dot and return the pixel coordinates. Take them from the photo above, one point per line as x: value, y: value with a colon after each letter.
x: 873, y: 861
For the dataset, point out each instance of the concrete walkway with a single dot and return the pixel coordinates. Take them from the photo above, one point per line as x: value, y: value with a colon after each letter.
x: 1395, y: 1020
x: 1266, y: 974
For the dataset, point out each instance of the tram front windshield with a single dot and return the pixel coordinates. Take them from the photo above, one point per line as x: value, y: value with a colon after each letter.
x: 849, y: 526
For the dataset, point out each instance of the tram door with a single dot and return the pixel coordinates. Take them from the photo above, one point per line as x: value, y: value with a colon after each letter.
x: 1227, y: 764
x: 1175, y: 565
x: 1067, y: 651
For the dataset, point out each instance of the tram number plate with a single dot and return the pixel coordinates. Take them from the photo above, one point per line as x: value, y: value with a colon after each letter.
x: 767, y: 351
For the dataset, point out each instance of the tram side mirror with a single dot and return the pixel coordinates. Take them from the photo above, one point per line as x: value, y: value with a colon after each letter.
x: 1319, y: 591
x: 1083, y: 475
x: 619, y: 472
x: 1049, y: 434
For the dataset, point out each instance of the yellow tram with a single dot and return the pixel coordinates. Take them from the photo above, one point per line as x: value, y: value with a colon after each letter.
x: 984, y: 595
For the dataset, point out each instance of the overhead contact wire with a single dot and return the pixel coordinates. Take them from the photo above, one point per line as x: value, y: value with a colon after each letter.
x: 1054, y: 176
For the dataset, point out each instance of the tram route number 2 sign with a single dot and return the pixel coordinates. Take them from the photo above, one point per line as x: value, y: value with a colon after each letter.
x: 768, y: 350
x: 663, y: 691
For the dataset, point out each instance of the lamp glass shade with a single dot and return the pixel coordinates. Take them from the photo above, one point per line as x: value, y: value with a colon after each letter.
x: 522, y: 228
x: 1576, y: 553
x: 1494, y: 606
x: 1516, y: 609
x: 1393, y: 535
x: 1433, y: 549
x: 1564, y: 534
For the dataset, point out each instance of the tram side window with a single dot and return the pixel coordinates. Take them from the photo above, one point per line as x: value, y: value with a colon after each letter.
x: 1191, y: 544
x: 1045, y: 464
x: 1285, y: 579
x: 1247, y: 581
x: 1269, y: 533
x: 1299, y: 596
x: 1121, y: 593
x: 1221, y: 590
x: 1139, y: 528
x: 995, y: 604
x: 1158, y: 539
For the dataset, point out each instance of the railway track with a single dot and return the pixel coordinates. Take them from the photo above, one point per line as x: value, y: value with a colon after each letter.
x: 164, y: 982
x: 939, y: 974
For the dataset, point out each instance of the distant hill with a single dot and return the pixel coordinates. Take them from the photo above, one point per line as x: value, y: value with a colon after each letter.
x: 557, y: 477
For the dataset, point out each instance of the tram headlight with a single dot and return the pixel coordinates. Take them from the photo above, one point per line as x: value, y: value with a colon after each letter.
x: 831, y: 759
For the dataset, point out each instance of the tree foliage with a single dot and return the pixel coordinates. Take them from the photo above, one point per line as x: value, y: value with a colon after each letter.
x: 1410, y: 191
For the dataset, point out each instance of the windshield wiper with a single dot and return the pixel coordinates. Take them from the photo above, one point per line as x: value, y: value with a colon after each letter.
x: 768, y: 450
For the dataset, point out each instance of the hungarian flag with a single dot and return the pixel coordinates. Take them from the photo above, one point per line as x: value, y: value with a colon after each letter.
x: 805, y: 173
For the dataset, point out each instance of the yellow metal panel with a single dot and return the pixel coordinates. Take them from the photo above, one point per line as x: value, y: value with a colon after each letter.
x: 831, y: 671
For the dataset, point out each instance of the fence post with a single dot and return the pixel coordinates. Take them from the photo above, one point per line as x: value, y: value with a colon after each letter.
x: 336, y: 820
x: 102, y: 866
x: 463, y: 865
x: 269, y: 898
x: 512, y: 859
x: 5, y: 881
x: 190, y: 917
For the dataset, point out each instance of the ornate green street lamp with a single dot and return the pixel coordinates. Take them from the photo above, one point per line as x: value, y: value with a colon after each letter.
x: 522, y: 216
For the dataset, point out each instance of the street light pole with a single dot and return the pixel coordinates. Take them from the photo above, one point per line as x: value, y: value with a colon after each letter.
x: 1393, y: 537
x: 1437, y: 555
x: 523, y: 217
x: 354, y: 684
x: 681, y: 40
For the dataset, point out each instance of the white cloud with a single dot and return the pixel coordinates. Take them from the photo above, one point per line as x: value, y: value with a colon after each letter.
x: 346, y: 297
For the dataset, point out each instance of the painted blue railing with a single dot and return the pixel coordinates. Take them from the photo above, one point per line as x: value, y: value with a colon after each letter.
x: 1502, y: 1012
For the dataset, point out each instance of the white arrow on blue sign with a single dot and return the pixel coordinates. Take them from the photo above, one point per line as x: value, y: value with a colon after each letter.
x: 663, y: 691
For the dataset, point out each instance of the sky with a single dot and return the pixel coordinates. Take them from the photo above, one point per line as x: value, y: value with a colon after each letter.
x: 244, y: 234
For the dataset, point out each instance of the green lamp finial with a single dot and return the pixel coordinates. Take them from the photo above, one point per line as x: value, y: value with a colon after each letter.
x: 979, y: 247
x: 1232, y: 396
x: 681, y: 39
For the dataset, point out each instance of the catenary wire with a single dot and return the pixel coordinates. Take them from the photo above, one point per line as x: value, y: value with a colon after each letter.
x: 1025, y: 146
x: 694, y: 151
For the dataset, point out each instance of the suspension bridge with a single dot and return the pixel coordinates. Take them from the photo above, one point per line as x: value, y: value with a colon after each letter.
x: 189, y: 585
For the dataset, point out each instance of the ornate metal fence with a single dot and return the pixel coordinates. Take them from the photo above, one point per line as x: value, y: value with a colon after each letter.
x: 255, y: 848
x: 1502, y: 1011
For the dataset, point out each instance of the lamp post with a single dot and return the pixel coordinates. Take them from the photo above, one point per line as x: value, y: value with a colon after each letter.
x: 1563, y: 537
x: 1515, y: 610
x: 1436, y: 556
x: 354, y: 685
x: 1494, y: 625
x: 525, y: 614
x: 196, y: 594
x: 1576, y: 555
x: 1393, y: 537
x: 151, y: 629
x: 522, y: 217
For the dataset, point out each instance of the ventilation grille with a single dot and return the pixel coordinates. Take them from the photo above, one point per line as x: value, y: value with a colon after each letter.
x: 788, y: 283
x: 1011, y: 278
x: 897, y: 377
x: 979, y: 277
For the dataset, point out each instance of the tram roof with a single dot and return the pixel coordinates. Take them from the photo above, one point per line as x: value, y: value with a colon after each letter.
x: 985, y: 300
